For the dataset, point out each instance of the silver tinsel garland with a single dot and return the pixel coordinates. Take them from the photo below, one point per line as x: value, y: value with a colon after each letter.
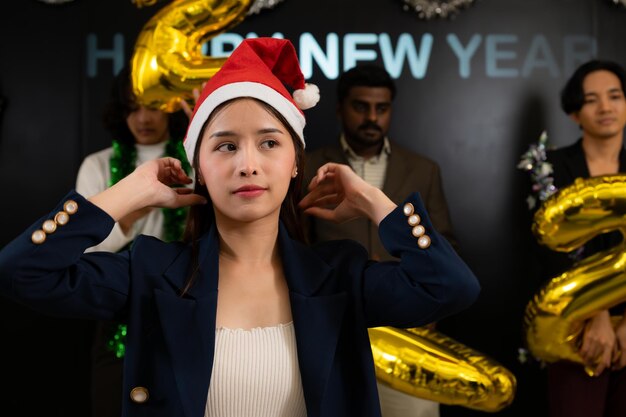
x: 429, y: 9
x: 55, y: 1
x: 256, y: 7
x: 259, y: 5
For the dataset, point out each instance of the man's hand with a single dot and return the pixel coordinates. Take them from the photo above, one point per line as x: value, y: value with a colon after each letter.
x: 619, y: 352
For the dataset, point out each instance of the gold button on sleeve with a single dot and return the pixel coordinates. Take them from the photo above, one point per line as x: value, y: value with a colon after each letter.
x: 414, y: 220
x: 61, y: 218
x: 38, y: 237
x: 139, y: 395
x: 49, y: 226
x: 408, y: 209
x: 70, y: 207
x: 418, y: 230
x: 423, y: 242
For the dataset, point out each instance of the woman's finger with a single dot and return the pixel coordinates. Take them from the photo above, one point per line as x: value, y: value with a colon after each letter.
x: 319, y: 177
x: 317, y: 193
x: 325, y: 170
x: 328, y: 201
x: 184, y: 200
x: 183, y: 190
x: 322, y: 213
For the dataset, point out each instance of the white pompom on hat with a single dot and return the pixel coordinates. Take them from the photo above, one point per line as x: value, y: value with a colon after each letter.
x: 257, y: 68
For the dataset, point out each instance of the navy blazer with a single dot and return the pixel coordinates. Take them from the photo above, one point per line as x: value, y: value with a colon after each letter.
x: 336, y: 293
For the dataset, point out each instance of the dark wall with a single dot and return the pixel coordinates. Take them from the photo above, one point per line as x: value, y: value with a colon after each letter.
x: 474, y: 119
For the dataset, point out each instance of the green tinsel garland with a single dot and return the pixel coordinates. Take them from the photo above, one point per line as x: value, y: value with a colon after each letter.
x: 123, y: 161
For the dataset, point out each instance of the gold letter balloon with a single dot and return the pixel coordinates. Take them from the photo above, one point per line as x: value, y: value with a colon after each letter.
x: 167, y: 62
x: 555, y: 317
x: 426, y: 364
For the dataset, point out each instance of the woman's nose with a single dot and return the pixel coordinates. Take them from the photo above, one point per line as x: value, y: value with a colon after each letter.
x: 143, y: 113
x: 248, y: 162
x: 247, y: 172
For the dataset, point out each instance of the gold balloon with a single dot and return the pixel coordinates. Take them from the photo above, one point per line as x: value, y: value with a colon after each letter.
x: 426, y: 364
x: 167, y: 62
x: 555, y: 317
x: 144, y: 3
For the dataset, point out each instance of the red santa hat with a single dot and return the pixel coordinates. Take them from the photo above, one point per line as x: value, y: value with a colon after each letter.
x: 257, y: 68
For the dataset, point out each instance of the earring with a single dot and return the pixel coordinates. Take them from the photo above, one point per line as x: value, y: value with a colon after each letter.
x: 295, y: 173
x: 200, y: 181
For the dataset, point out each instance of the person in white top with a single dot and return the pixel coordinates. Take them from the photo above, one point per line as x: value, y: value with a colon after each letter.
x: 140, y: 134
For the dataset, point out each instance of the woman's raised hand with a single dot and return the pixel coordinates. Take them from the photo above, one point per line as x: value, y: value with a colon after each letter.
x: 149, y: 185
x: 338, y: 194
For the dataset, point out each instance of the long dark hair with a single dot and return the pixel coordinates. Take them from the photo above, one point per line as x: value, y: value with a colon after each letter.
x: 202, y: 217
x: 122, y: 102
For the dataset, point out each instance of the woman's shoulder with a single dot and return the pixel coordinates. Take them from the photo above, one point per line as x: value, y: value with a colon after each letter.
x: 147, y: 243
x: 156, y: 253
x: 340, y: 251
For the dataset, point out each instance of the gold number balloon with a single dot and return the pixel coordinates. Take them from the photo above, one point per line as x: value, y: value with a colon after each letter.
x: 167, y: 62
x: 426, y: 364
x: 555, y: 317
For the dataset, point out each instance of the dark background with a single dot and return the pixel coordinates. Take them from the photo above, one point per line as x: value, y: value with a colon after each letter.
x: 475, y: 127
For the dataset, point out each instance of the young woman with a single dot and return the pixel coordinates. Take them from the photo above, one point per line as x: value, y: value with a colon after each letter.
x: 243, y: 319
x: 139, y: 134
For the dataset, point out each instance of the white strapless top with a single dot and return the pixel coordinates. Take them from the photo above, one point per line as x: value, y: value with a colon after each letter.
x: 256, y: 374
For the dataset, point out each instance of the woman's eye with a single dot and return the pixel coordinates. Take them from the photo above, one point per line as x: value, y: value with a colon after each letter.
x: 227, y: 147
x: 269, y: 144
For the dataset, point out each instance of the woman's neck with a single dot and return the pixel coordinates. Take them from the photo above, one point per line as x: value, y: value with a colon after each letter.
x: 251, y: 243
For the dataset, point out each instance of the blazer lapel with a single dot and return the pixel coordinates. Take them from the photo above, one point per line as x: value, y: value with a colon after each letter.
x: 188, y: 324
x: 317, y: 318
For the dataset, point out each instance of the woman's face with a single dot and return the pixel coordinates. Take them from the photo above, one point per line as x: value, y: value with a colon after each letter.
x: 148, y: 126
x: 247, y: 160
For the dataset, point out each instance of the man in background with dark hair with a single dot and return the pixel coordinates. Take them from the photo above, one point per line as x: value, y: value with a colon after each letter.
x: 365, y: 94
x: 594, y: 99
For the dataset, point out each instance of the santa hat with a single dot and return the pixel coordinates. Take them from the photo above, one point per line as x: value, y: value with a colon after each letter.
x: 257, y: 68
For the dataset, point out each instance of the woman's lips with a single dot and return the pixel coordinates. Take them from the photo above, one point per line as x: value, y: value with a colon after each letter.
x: 146, y: 132
x: 249, y: 191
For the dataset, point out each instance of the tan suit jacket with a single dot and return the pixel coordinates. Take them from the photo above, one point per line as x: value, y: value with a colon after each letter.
x: 407, y: 172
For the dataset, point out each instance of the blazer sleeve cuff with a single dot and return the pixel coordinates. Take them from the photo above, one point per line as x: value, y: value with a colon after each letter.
x: 408, y: 227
